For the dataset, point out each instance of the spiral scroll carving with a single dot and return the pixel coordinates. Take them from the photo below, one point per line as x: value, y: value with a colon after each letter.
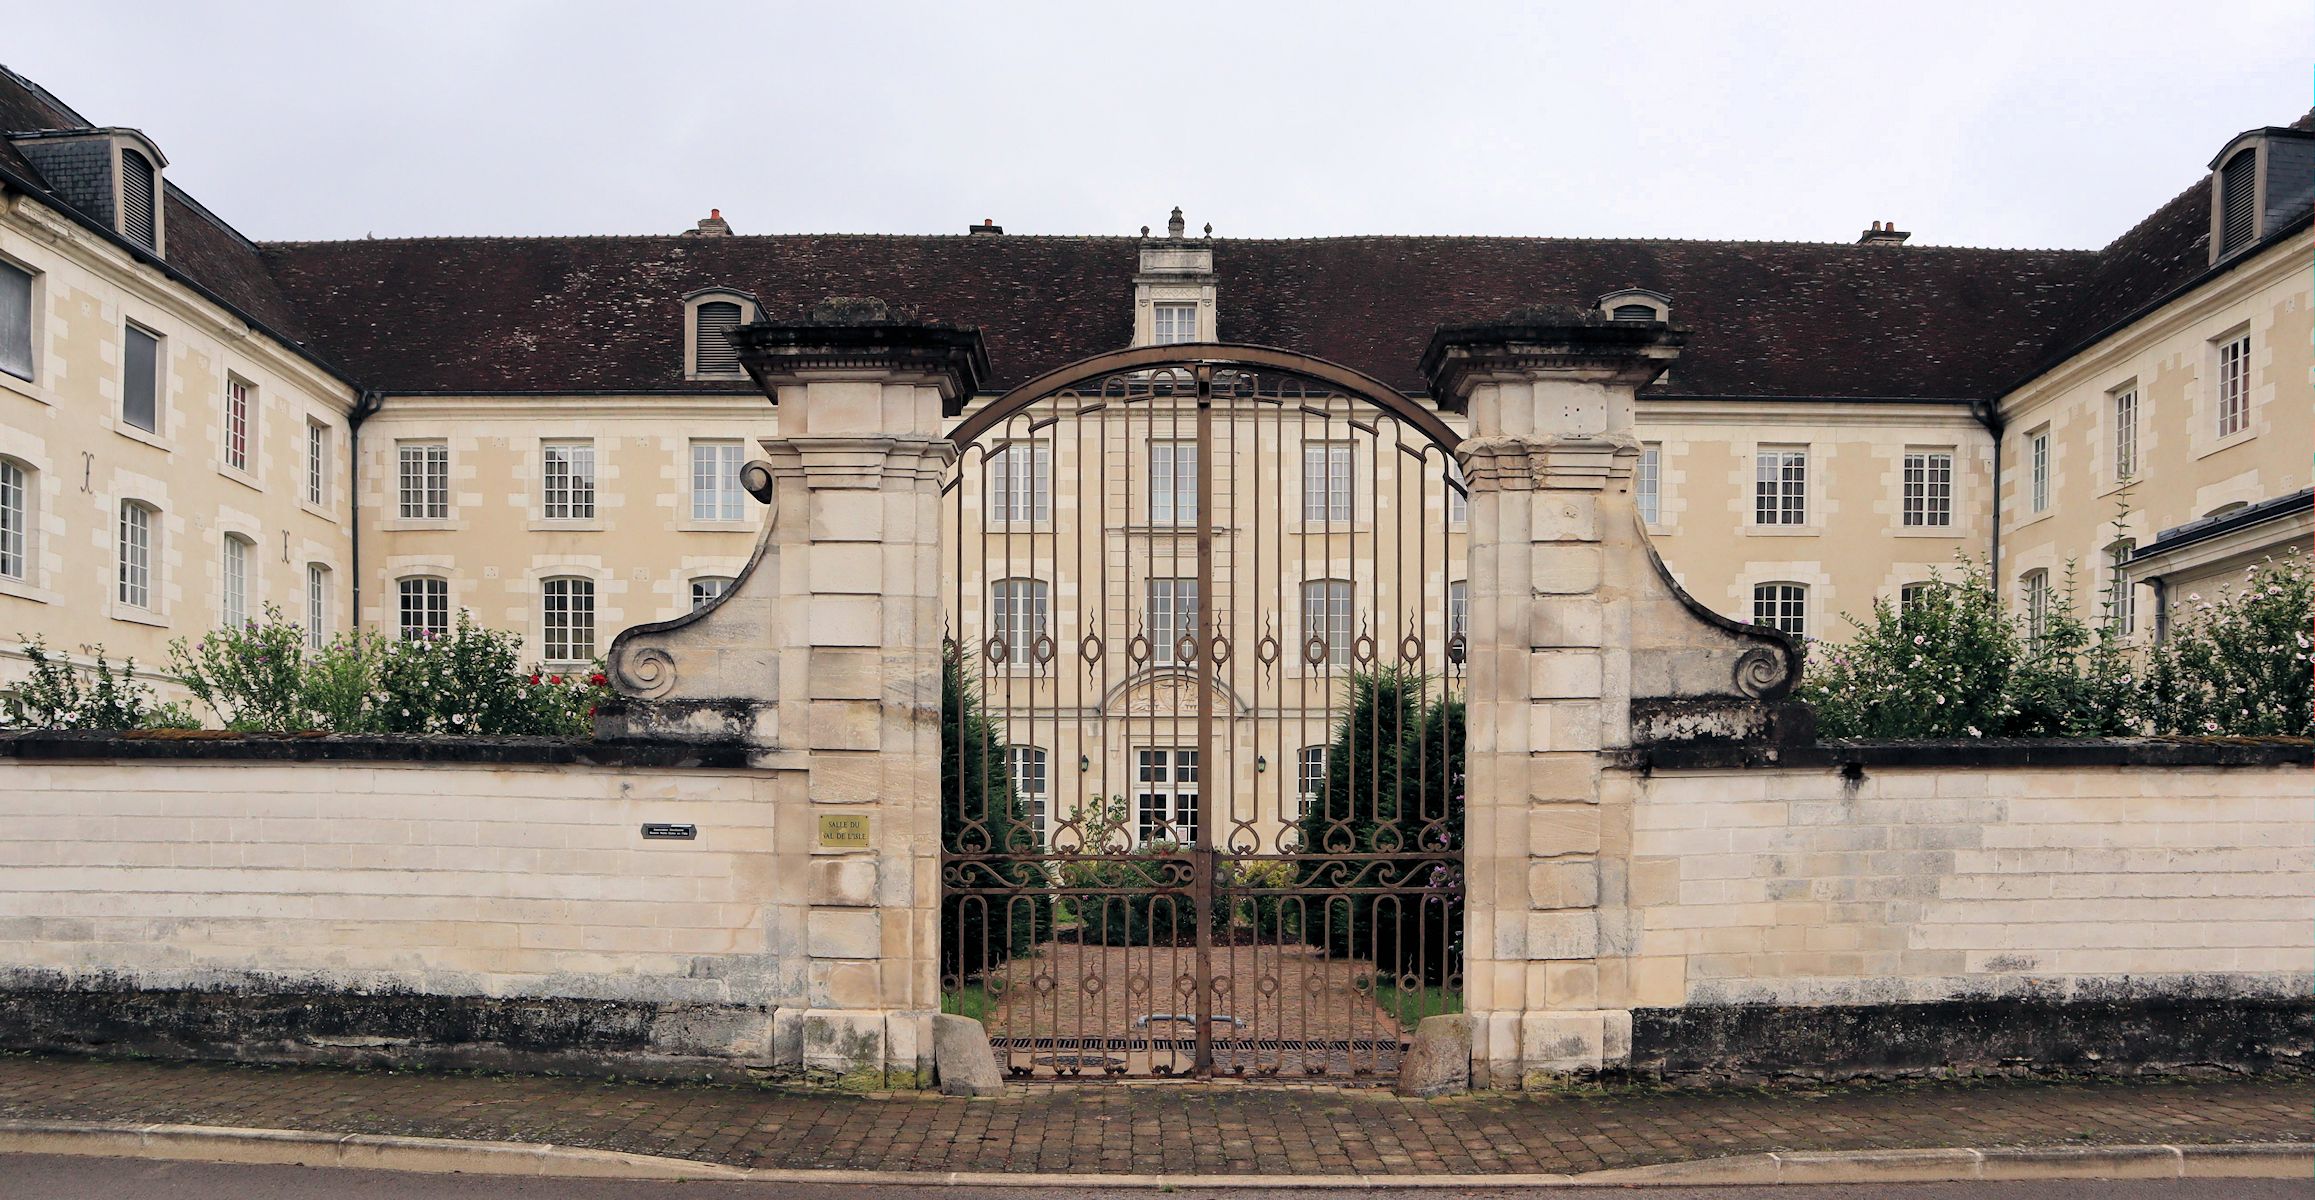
x: 1762, y: 673
x: 756, y: 477
x: 647, y: 672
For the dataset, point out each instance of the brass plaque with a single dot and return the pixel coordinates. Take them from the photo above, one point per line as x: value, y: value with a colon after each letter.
x: 846, y: 831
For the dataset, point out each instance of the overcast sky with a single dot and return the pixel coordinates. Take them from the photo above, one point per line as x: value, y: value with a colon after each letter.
x: 2018, y: 123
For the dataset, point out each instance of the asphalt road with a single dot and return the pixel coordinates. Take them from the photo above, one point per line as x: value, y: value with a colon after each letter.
x: 50, y: 1177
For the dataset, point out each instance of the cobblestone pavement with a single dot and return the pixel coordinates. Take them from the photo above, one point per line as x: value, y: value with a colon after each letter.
x: 1174, y: 1128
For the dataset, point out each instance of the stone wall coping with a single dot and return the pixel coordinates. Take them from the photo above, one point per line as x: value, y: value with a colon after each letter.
x: 1989, y: 753
x: 208, y: 745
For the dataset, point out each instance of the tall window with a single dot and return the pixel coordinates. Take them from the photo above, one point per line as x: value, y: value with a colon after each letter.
x: 715, y: 482
x: 317, y: 463
x: 570, y: 619
x: 1326, y: 622
x: 1309, y: 778
x: 423, y: 480
x: 2238, y: 200
x: 2126, y: 433
x: 1780, y: 488
x: 711, y: 346
x: 236, y: 424
x: 1021, y: 483
x: 1458, y: 609
x: 2034, y: 587
x: 1025, y: 770
x: 233, y: 566
x: 2121, y: 597
x: 1017, y: 615
x: 2038, y: 469
x: 15, y: 519
x: 136, y: 555
x: 2234, y: 385
x: 317, y: 605
x: 570, y: 480
x: 1928, y: 489
x: 1458, y: 497
x: 1173, y: 616
x: 1783, y: 606
x: 141, y: 379
x: 1173, y: 324
x: 15, y: 320
x: 1166, y: 796
x: 425, y: 607
x: 1647, y: 482
x: 140, y: 200
x: 1326, y: 482
x: 706, y: 590
x: 1173, y: 483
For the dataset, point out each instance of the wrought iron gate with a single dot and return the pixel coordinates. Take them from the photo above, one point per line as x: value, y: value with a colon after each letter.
x: 1203, y: 751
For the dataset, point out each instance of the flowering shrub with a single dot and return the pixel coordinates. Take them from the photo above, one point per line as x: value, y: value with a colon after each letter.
x: 261, y: 677
x: 53, y: 697
x: 2239, y: 661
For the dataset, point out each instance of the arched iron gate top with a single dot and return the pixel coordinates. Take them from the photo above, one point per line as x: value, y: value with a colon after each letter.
x: 1346, y: 380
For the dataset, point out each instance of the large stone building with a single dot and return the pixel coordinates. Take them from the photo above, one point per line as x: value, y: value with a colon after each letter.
x: 549, y: 431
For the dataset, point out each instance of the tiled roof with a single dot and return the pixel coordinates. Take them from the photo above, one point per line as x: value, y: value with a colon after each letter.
x: 584, y: 314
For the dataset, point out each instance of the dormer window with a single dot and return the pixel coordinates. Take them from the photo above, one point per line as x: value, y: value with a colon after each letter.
x: 140, y: 200
x: 2238, y: 200
x: 1636, y: 304
x: 2262, y: 180
x: 1173, y: 324
x: 709, y: 316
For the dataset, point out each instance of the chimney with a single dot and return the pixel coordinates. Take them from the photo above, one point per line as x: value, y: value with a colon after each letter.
x: 1883, y: 233
x: 987, y: 228
x: 713, y: 226
x: 1174, y: 224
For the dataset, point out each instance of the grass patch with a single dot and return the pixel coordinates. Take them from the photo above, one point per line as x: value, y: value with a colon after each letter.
x: 974, y: 1002
x: 1410, y: 1007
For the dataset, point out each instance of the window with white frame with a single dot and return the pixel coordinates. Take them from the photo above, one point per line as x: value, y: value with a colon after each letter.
x: 2121, y: 595
x: 141, y: 378
x: 1017, y: 616
x: 2234, y: 385
x: 425, y: 610
x: 712, y: 349
x: 237, y: 397
x: 1173, y: 324
x: 422, y: 480
x: 1173, y: 483
x: 1648, y: 482
x: 2125, y: 410
x: 707, y: 589
x: 1021, y: 483
x: 317, y: 463
x: 715, y: 482
x: 1025, y: 769
x: 1780, y: 489
x: 1781, y: 606
x: 1326, y: 488
x: 233, y: 571
x: 1166, y: 796
x: 1458, y: 497
x: 2034, y: 590
x: 2038, y: 470
x: 15, y: 320
x: 317, y: 605
x: 1458, y: 609
x: 1326, y: 633
x: 1173, y: 617
x: 1309, y: 779
x: 1912, y: 596
x: 568, y: 606
x: 135, y: 556
x: 569, y: 477
x: 16, y: 496
x: 1928, y: 489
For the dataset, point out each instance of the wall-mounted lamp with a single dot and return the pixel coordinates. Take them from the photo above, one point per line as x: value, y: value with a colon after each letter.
x: 1084, y: 764
x: 1261, y: 764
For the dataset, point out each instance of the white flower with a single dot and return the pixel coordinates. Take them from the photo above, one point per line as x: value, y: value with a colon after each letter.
x: 1941, y: 698
x: 1975, y: 732
x: 2210, y: 727
x: 458, y: 719
x: 1920, y: 639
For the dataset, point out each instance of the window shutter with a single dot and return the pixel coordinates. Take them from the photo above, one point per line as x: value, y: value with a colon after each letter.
x: 1633, y: 312
x: 137, y: 200
x: 714, y: 352
x: 2238, y: 191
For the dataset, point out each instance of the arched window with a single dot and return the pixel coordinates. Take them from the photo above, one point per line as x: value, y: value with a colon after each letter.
x: 16, y: 510
x: 1782, y: 606
x: 707, y: 589
x: 140, y: 200
x: 568, y: 616
x: 233, y: 569
x: 139, y: 547
x: 1633, y: 312
x: 424, y: 607
x: 714, y: 353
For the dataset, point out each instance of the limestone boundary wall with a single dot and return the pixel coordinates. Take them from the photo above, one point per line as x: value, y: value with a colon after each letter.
x: 470, y: 902
x: 1846, y: 914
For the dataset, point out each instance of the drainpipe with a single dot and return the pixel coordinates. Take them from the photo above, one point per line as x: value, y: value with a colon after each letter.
x: 1988, y: 414
x: 368, y: 402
